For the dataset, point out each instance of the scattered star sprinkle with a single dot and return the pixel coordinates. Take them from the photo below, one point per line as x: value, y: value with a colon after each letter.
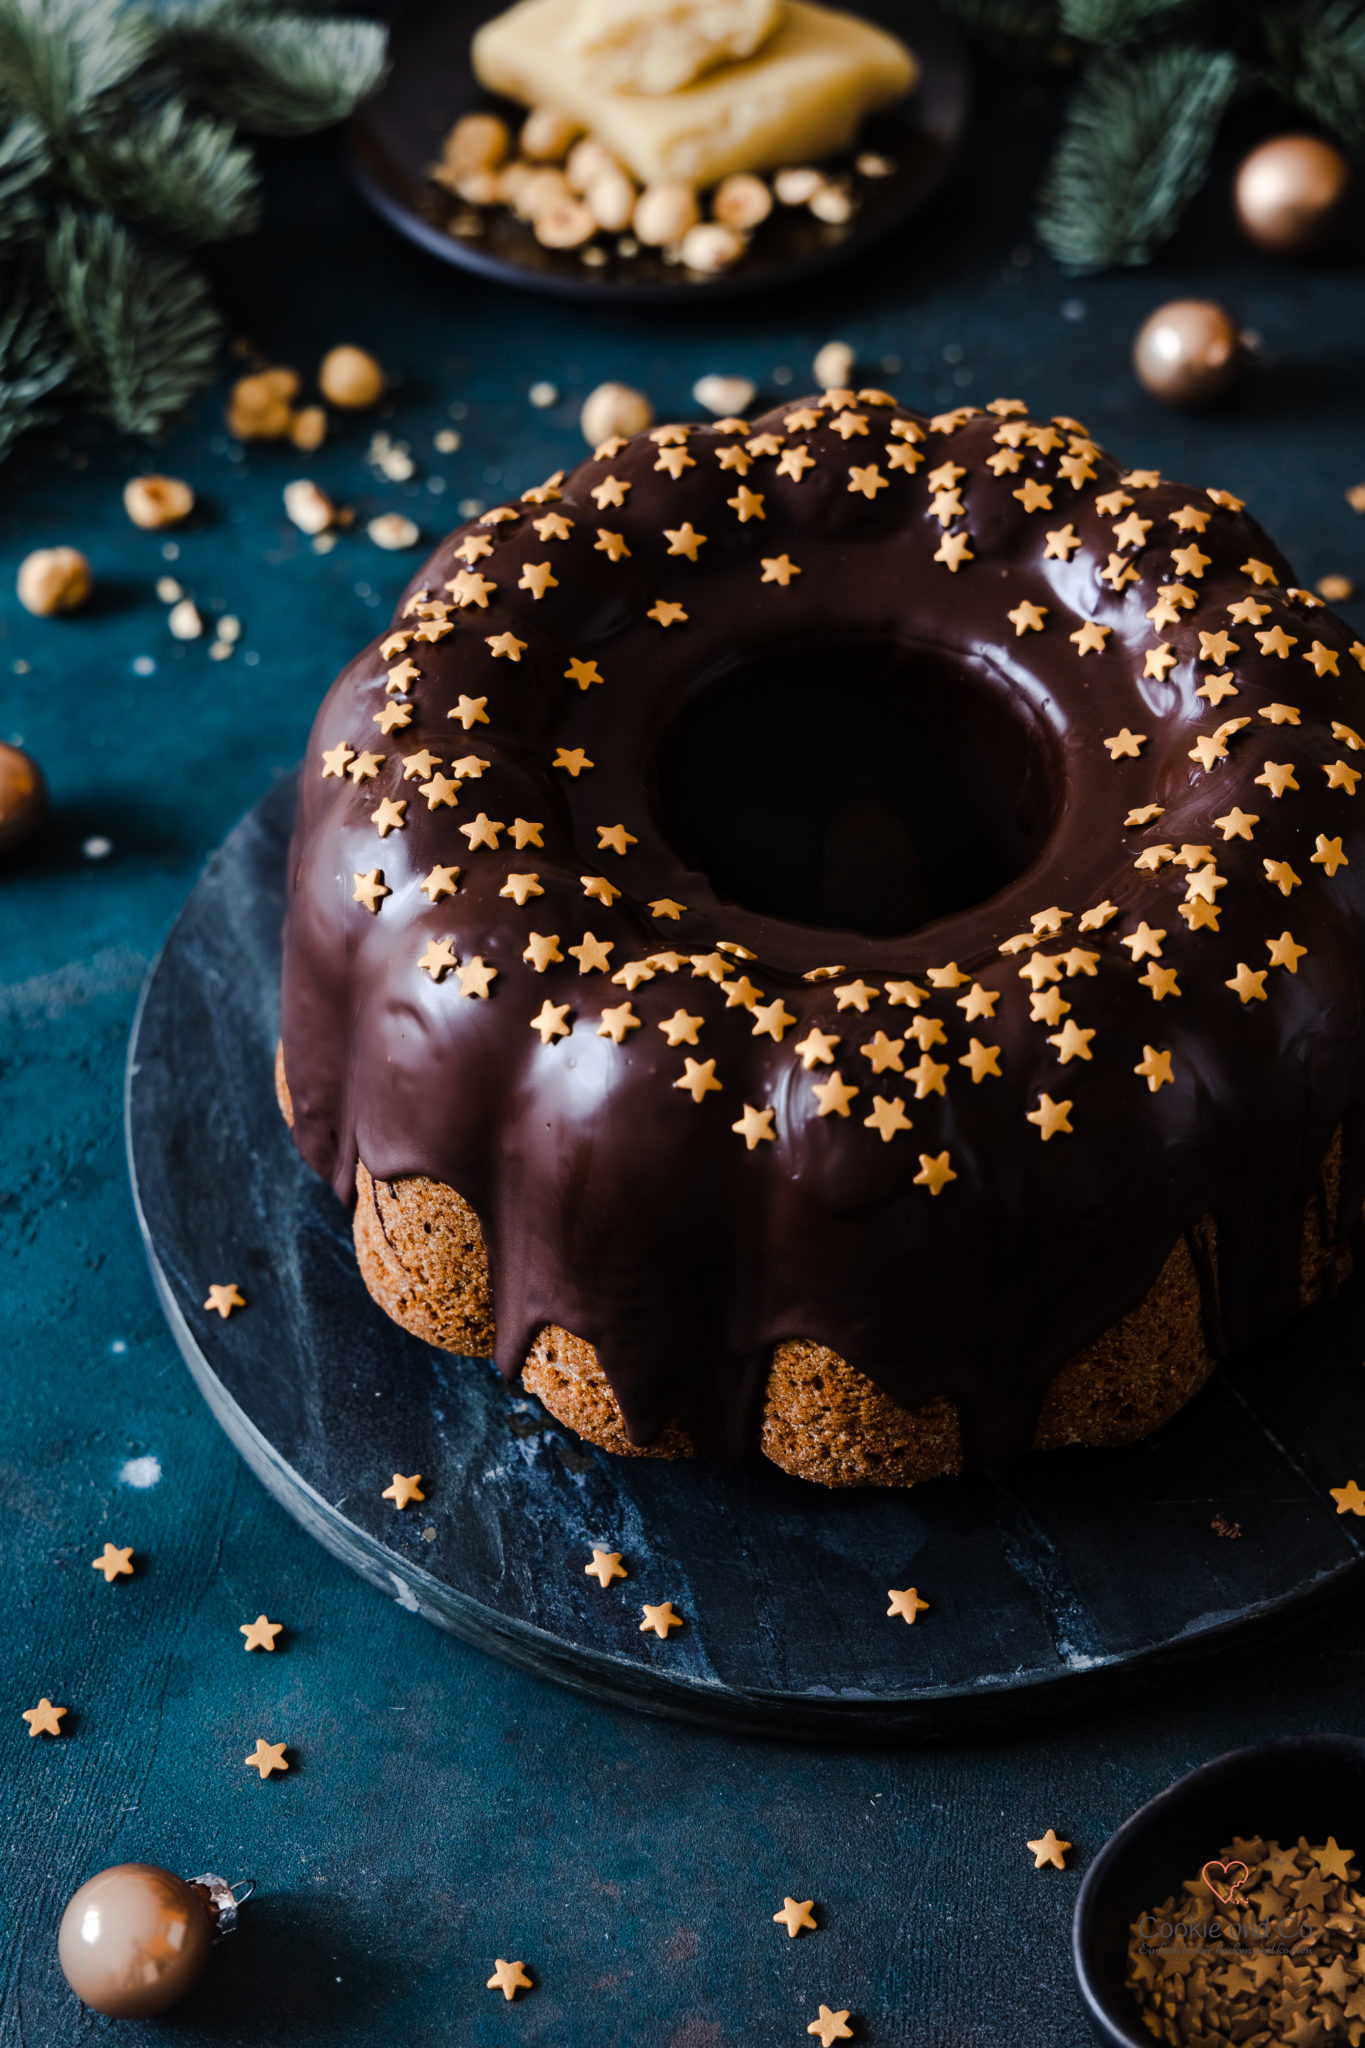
x: 934, y: 1172
x: 1049, y: 1849
x: 1050, y: 1117
x: 660, y: 1619
x: 261, y: 1633
x: 266, y: 1757
x: 404, y: 1490
x: 606, y: 1565
x: 1248, y: 984
x: 833, y: 1095
x: 44, y: 1719
x: 114, y: 1563
x: 224, y: 1299
x: 796, y: 1914
x: 755, y: 1126
x: 508, y: 1978
x: 1349, y: 1498
x: 888, y: 1117
x: 831, y: 2027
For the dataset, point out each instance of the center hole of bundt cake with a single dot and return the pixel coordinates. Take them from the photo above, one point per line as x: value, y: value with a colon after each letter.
x: 855, y: 784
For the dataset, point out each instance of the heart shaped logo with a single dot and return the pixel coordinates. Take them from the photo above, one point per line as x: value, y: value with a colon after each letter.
x: 1225, y: 1881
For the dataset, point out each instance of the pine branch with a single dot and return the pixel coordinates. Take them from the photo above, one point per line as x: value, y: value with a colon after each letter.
x: 141, y: 321
x: 275, y: 74
x: 60, y: 58
x: 178, y: 172
x: 24, y: 159
x: 1318, y: 58
x: 1134, y: 150
x: 34, y: 357
x: 1125, y: 21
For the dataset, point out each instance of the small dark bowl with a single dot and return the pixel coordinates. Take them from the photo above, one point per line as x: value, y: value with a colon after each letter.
x: 1310, y: 1785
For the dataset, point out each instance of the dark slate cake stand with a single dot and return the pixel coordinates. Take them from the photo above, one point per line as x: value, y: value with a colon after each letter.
x: 1084, y: 1576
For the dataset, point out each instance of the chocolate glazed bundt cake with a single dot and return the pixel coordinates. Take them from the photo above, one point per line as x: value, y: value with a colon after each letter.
x: 843, y: 933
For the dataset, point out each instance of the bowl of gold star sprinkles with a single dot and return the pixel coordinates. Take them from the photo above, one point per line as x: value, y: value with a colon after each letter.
x: 1232, y: 1906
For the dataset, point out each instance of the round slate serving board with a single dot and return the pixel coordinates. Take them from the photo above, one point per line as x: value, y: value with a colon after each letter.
x: 397, y: 135
x: 1084, y: 1576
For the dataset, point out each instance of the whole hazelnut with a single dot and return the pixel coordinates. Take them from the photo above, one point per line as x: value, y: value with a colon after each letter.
x: 741, y: 201
x: 798, y: 184
x: 53, y: 580
x: 832, y: 205
x: 185, y: 620
x: 23, y: 796
x: 710, y: 246
x: 833, y: 366
x: 479, y: 142
x: 546, y: 187
x: 548, y: 136
x: 308, y: 428
x: 664, y: 213
x: 614, y: 409
x: 565, y: 224
x: 261, y: 406
x: 587, y: 160
x: 611, y: 199
x: 307, y: 507
x: 724, y: 396
x: 394, y: 530
x: 351, y: 378
x: 153, y: 501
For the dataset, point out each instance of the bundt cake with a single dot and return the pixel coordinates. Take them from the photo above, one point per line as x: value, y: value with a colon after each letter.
x: 842, y: 934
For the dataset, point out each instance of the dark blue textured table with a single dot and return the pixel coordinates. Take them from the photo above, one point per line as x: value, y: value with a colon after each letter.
x: 443, y: 1809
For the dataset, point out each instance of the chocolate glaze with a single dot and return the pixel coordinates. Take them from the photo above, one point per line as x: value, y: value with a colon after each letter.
x: 614, y: 1205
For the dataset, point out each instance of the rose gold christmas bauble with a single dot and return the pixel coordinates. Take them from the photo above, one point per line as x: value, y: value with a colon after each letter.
x: 1186, y: 353
x: 1290, y: 193
x: 23, y: 796
x: 134, y: 1939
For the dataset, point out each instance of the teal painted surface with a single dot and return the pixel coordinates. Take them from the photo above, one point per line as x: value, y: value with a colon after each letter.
x: 443, y: 1810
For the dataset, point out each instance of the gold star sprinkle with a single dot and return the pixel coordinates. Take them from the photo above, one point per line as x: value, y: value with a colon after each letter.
x: 946, y: 506
x: 404, y: 1490
x: 483, y: 831
x: 1284, y: 952
x: 660, y: 1619
x: 335, y: 760
x: 1216, y: 688
x: 1248, y: 984
x: 365, y: 767
x: 1061, y: 545
x: 370, y: 890
x: 606, y: 1565
x: 779, y: 569
x: 44, y: 1719
x: 1277, y: 777
x: 1237, y: 823
x: 554, y: 526
x: 817, y: 1047
x: 572, y: 760
x: 1340, y: 775
x: 1190, y: 561
x: 899, y: 455
x: 888, y: 1117
x: 866, y: 479
x: 755, y: 1126
x: 982, y: 1060
x: 1049, y: 1849
x: 1276, y: 641
x: 521, y: 887
x: 1117, y: 571
x: 612, y: 545
x: 1027, y: 618
x: 584, y: 673
x: 675, y: 461
x: 1072, y: 1042
x: 475, y: 547
x: 698, y: 1077
x: 266, y: 1757
x: 114, y: 1563
x: 1161, y: 981
x: 1155, y: 1068
x: 884, y: 1053
x: 599, y: 889
x: 508, y: 1978
x: 854, y: 995
x: 1033, y: 496
x: 1246, y: 612
x: 1329, y: 854
x: 1050, y: 1117
x: 1090, y: 637
x: 1158, y: 661
x: 1216, y: 647
x: 1095, y: 919
x: 538, y: 577
x: 1191, y: 519
x: 945, y: 476
x: 420, y: 764
x: 611, y: 491
x: 796, y: 461
x: 1281, y: 874
x: 476, y: 979
x: 261, y: 1633
x: 506, y: 646
x: 848, y: 424
x: 907, y: 1604
x: 1125, y: 743
x: 469, y: 587
x: 805, y: 419
x: 1280, y: 714
x: 954, y: 550
x: 440, y: 882
x: 833, y: 1095
x: 747, y: 504
x: 542, y: 951
x: 439, y: 955
x: 549, y: 1022
x: 666, y: 613
x: 615, y: 1023
x: 225, y: 1299
x: 1349, y: 1499
x: 442, y: 789
x: 795, y: 1914
x: 592, y: 954
x: 831, y: 2027
x: 1259, y: 572
x: 681, y: 1028
x: 771, y: 1019
x: 928, y: 1076
x: 934, y: 1172
x: 1144, y: 943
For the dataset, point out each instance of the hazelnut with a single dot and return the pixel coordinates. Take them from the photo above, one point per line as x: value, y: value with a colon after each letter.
x: 1336, y: 589
x: 394, y: 530
x: 548, y: 136
x: 711, y: 246
x: 798, y: 185
x: 53, y: 580
x: 544, y: 188
x: 307, y: 507
x: 513, y: 179
x: 726, y: 397
x: 834, y: 366
x: 351, y: 378
x: 259, y: 408
x: 664, y: 213
x: 308, y: 428
x: 479, y: 142
x: 614, y: 409
x: 587, y: 160
x: 741, y: 201
x: 832, y: 205
x: 566, y: 224
x: 478, y: 188
x: 870, y: 165
x: 152, y: 501
x: 184, y: 620
x: 611, y: 199
x: 23, y: 796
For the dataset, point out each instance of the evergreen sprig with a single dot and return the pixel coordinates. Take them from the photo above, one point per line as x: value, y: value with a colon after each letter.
x: 119, y: 139
x: 1155, y: 79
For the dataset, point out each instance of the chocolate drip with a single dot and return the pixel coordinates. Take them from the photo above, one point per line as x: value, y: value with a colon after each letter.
x: 615, y: 1205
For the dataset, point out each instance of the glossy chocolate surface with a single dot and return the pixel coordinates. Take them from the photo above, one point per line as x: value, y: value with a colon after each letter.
x: 615, y: 1205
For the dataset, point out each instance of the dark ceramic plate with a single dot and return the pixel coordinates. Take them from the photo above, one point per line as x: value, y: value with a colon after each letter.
x: 1085, y: 1576
x: 1310, y: 1785
x: 398, y: 133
